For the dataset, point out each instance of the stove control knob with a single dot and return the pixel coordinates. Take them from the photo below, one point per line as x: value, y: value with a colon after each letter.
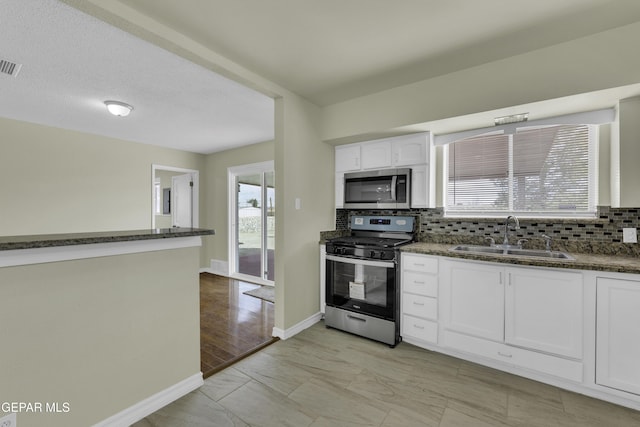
x: 372, y: 254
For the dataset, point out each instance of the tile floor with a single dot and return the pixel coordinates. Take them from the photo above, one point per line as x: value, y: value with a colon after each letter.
x: 323, y: 377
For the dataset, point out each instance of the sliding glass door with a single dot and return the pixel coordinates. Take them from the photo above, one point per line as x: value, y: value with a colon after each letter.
x: 253, y: 222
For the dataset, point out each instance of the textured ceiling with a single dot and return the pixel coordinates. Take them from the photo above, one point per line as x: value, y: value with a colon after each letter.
x: 72, y: 62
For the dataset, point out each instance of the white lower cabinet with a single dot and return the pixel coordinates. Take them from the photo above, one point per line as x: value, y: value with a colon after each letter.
x: 526, y: 317
x: 419, y: 302
x: 544, y: 311
x: 618, y: 334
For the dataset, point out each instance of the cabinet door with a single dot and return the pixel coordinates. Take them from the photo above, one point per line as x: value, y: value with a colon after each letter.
x: 420, y: 187
x: 410, y: 149
x: 472, y: 298
x: 376, y: 155
x: 339, y: 192
x: 348, y: 158
x: 543, y: 311
x: 617, y: 334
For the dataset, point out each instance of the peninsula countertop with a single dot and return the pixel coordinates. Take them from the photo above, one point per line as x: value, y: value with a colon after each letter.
x: 583, y: 261
x: 70, y: 239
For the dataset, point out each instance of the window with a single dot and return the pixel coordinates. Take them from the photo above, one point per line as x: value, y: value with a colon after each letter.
x: 539, y: 171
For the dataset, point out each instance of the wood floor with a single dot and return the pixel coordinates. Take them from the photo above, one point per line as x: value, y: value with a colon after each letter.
x: 232, y: 325
x: 326, y: 378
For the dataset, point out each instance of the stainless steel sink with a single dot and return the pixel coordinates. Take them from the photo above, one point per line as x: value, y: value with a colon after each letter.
x: 493, y: 250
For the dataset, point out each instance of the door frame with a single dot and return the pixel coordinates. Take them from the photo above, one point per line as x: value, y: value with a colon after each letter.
x: 232, y: 173
x: 195, y: 174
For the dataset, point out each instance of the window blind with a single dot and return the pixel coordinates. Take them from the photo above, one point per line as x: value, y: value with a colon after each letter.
x: 544, y: 170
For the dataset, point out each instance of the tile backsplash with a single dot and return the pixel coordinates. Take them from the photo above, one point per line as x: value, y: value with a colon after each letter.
x: 601, y: 235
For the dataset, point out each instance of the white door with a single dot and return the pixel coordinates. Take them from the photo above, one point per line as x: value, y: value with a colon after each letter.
x: 473, y: 299
x: 182, y: 201
x: 617, y: 336
x: 543, y: 311
x: 410, y: 149
x: 252, y: 222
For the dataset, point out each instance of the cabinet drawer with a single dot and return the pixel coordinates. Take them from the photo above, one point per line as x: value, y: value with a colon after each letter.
x: 477, y: 346
x: 420, y: 283
x: 421, y: 306
x: 420, y: 263
x: 424, y: 330
x: 557, y: 366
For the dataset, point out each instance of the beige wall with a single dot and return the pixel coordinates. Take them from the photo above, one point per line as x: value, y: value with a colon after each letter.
x: 626, y: 155
x: 583, y: 65
x: 60, y: 181
x: 304, y: 169
x: 101, y: 334
x: 216, y: 195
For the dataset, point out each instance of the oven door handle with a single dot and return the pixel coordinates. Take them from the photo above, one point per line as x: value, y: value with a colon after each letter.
x: 356, y: 261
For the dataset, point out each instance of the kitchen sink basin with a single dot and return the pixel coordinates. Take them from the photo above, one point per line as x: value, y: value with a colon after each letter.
x: 493, y: 250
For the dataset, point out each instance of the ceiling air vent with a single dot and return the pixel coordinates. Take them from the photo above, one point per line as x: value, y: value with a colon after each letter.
x: 10, y: 68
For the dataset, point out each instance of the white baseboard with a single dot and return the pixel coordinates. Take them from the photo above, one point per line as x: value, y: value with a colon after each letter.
x: 153, y: 403
x: 283, y: 334
x: 219, y: 267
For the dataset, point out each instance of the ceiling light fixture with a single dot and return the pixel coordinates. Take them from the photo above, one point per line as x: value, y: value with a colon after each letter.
x: 515, y: 118
x: 117, y: 108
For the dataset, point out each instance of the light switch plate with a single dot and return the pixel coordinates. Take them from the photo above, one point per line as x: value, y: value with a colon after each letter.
x: 629, y: 235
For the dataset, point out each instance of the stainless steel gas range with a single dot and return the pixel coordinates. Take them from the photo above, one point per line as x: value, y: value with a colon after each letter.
x: 362, y: 277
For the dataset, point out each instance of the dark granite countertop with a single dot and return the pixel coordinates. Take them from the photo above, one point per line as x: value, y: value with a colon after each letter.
x: 70, y: 239
x: 583, y: 261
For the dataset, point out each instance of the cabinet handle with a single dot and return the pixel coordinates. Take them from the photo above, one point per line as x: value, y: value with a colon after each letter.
x: 505, y: 354
x: 418, y: 303
x: 418, y: 265
x: 418, y: 326
x: 418, y: 282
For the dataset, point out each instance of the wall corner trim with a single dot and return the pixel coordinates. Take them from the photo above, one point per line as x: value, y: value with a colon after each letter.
x: 284, y: 334
x: 153, y: 403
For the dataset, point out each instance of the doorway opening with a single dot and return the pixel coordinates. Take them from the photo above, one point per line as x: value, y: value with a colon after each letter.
x: 175, y: 201
x: 252, y: 222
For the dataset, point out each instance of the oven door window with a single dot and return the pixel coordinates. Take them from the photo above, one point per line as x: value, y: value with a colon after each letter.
x: 361, y: 285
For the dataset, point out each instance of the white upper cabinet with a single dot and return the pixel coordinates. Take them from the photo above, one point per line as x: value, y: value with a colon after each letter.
x: 348, y: 158
x: 376, y: 155
x: 410, y: 150
x: 413, y: 151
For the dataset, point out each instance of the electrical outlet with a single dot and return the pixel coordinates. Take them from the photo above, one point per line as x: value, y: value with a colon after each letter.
x: 629, y: 235
x: 8, y: 420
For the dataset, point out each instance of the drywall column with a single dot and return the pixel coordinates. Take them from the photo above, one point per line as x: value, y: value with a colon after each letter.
x: 304, y: 171
x: 625, y: 155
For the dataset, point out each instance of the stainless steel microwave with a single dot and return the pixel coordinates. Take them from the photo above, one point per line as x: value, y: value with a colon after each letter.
x: 378, y: 189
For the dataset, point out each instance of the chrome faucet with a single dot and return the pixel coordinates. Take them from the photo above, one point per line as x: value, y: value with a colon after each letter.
x: 506, y: 228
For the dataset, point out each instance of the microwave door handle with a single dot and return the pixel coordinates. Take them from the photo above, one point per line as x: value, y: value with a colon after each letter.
x: 394, y: 180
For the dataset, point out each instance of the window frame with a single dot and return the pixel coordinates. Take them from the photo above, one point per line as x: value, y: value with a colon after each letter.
x: 593, y: 175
